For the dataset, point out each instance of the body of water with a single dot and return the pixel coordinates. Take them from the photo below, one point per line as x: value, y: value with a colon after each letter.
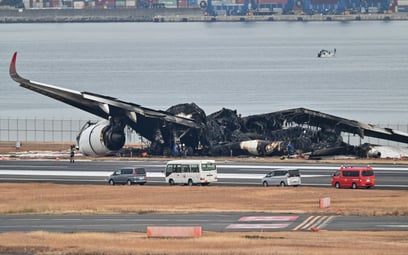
x: 251, y: 67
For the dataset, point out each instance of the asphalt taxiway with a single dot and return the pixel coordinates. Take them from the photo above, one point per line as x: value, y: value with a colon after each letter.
x: 218, y: 222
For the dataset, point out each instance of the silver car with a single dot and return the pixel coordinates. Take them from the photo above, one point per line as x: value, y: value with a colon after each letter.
x: 282, y: 177
x: 128, y: 175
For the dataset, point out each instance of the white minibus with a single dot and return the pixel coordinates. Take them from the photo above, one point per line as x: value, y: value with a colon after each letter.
x: 191, y: 172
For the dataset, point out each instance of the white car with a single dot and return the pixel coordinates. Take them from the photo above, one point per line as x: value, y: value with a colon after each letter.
x: 282, y: 177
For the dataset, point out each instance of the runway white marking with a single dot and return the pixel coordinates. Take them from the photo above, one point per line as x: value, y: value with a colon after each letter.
x: 269, y: 218
x: 105, y: 174
x: 393, y: 226
x: 257, y: 226
x: 314, y: 222
x: 263, y: 225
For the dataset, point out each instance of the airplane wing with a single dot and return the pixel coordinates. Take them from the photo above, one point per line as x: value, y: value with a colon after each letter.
x: 100, y: 105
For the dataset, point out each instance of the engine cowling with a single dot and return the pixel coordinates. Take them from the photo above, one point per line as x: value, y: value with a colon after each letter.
x: 261, y: 147
x: 99, y: 139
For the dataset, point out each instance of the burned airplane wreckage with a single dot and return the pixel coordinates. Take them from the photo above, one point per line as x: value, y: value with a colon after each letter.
x: 299, y: 130
x: 186, y: 129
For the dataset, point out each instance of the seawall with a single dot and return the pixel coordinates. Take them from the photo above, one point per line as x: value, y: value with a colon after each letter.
x: 168, y: 15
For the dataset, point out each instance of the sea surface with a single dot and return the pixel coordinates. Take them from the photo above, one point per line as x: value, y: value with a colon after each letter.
x: 250, y: 67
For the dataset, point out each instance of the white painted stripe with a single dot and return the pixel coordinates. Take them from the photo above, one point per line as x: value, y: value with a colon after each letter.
x: 314, y: 221
x: 257, y: 226
x: 303, y: 223
x: 268, y: 218
x: 105, y: 174
x: 324, y: 224
x: 393, y: 226
x: 55, y: 173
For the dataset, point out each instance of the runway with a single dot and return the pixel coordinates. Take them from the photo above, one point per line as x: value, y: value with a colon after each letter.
x: 218, y: 222
x: 229, y: 173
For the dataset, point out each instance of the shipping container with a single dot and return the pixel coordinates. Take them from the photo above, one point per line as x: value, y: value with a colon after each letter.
x: 37, y: 4
x: 182, y: 4
x: 90, y: 4
x: 120, y: 4
x: 130, y: 3
x: 323, y: 2
x: 193, y: 3
x: 51, y: 4
x: 402, y: 8
x: 67, y: 4
x: 168, y: 3
x: 79, y: 5
x: 105, y: 4
x: 271, y: 1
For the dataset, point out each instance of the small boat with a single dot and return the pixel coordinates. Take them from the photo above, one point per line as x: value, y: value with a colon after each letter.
x: 326, y: 54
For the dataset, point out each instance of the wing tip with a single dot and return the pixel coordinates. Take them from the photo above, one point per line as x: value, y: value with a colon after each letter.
x: 13, y: 70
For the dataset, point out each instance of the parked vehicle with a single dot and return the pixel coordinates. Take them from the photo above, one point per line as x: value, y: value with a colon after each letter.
x: 191, y: 172
x: 128, y: 175
x: 282, y: 177
x: 353, y: 177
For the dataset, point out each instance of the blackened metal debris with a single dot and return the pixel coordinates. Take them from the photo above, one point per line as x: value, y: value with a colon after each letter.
x: 298, y: 130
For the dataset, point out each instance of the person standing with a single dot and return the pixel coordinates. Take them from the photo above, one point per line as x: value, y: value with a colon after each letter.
x: 72, y: 154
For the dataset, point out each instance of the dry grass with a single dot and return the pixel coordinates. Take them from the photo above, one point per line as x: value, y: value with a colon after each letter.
x: 10, y: 147
x: 95, y: 199
x: 100, y: 199
x: 323, y: 242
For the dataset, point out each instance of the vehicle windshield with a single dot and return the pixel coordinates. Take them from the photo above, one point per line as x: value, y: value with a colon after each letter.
x: 294, y: 173
x: 367, y: 173
x: 140, y: 171
x: 208, y: 166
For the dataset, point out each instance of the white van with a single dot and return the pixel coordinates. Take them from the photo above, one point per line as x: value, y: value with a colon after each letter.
x: 282, y: 177
x: 191, y: 172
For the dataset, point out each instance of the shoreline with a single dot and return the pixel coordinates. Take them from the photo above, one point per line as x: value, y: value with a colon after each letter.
x: 171, y: 15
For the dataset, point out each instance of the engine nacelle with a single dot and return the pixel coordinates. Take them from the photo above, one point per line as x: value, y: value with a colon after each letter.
x: 99, y: 139
x: 260, y: 147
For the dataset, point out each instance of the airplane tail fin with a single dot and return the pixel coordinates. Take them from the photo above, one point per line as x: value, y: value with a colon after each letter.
x: 13, y: 70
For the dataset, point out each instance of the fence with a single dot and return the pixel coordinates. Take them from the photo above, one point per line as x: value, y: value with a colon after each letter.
x: 52, y: 130
x: 47, y: 130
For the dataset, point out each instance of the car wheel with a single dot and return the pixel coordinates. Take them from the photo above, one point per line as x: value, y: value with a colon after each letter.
x: 129, y: 182
x: 282, y: 184
x: 171, y: 182
x: 353, y: 186
x: 190, y: 182
x: 265, y: 184
x: 337, y: 185
x: 111, y: 182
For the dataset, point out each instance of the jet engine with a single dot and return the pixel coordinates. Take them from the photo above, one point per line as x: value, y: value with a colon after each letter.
x: 100, y: 138
x: 260, y: 147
